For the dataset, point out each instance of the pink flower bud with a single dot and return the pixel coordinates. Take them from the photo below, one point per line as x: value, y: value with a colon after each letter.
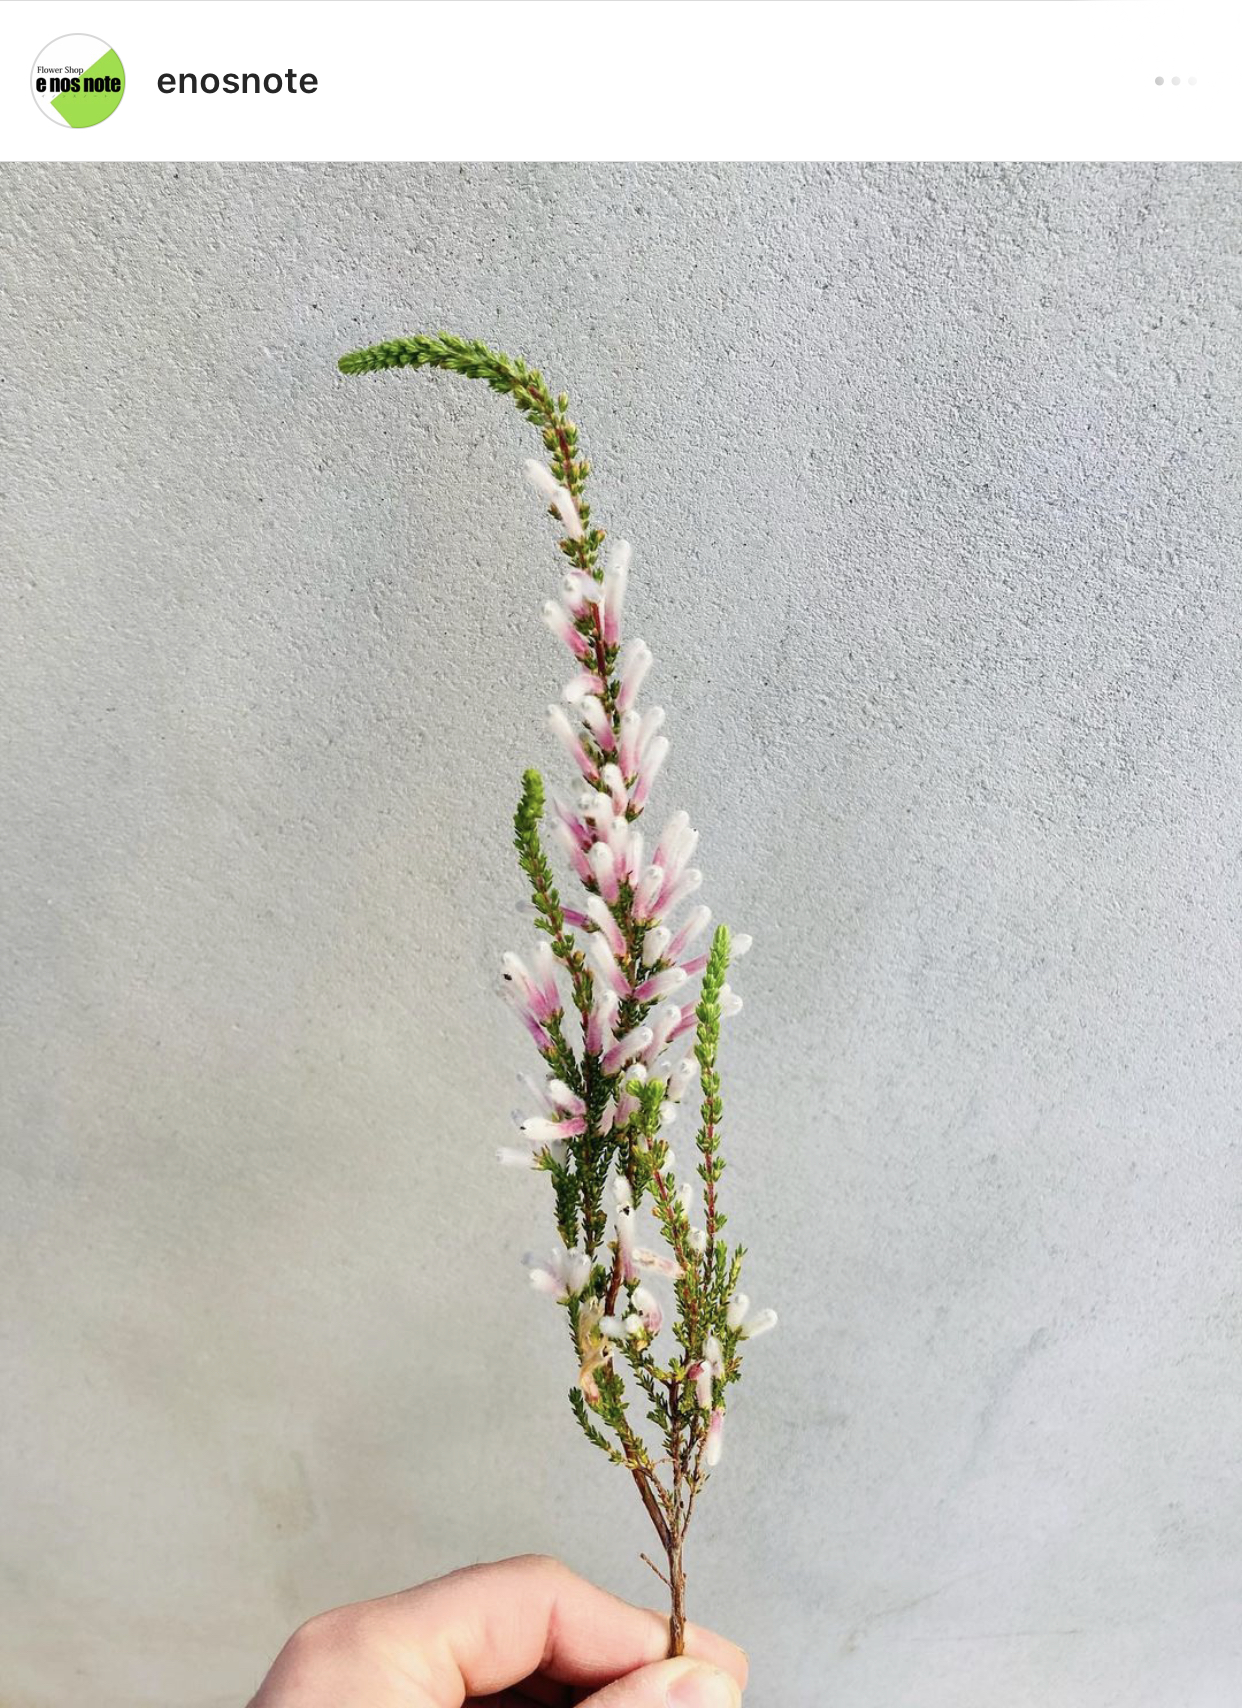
x: 604, y: 870
x: 535, y: 1001
x: 574, y: 853
x: 647, y: 892
x: 649, y: 1308
x: 579, y: 686
x: 660, y: 984
x: 597, y: 721
x: 539, y: 1130
x: 652, y: 720
x: 695, y: 922
x: 618, y: 840
x: 681, y: 1076
x: 547, y: 998
x: 516, y: 974
x: 685, y: 886
x: 662, y: 1023
x: 616, y: 576
x: 600, y: 1020
x: 569, y: 739
x: 601, y: 918
x: 625, y: 1241
x: 565, y: 1098
x: 634, y: 855
x: 577, y: 590
x: 561, y: 624
x: 614, y: 782
x: 656, y: 1261
x: 648, y: 766
x: 676, y: 844
x: 700, y: 1374
x: 562, y: 1276
x: 567, y: 510
x: 576, y: 825
x: 555, y: 495
x: 715, y: 1439
x: 631, y: 725
x: 686, y: 1024
x: 605, y: 963
x: 597, y: 811
x: 632, y: 669
x: 543, y: 1043
x: 538, y: 1092
x: 625, y: 1049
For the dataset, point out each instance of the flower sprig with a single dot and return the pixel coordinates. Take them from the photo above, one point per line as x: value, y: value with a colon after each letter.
x: 604, y: 997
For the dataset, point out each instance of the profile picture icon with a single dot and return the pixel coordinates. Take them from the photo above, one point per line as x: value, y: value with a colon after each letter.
x: 78, y: 81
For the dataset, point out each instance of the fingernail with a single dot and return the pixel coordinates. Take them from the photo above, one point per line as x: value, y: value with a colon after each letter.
x: 703, y: 1687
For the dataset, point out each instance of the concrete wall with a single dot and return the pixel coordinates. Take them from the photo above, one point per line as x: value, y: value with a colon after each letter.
x: 931, y: 474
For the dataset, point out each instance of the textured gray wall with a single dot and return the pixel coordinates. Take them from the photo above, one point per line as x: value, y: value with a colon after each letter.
x: 931, y: 477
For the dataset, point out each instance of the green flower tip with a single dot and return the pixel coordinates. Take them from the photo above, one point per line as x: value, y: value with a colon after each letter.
x: 530, y: 807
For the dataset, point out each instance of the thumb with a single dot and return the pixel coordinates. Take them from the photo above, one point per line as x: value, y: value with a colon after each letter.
x: 670, y: 1684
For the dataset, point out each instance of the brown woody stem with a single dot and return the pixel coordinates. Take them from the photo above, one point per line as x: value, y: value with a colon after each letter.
x: 677, y: 1591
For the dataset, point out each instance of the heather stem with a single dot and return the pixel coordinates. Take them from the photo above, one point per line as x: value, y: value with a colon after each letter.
x: 677, y: 1594
x: 603, y: 1136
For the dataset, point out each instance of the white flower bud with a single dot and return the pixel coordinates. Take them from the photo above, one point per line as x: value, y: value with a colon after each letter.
x: 655, y: 943
x: 759, y: 1324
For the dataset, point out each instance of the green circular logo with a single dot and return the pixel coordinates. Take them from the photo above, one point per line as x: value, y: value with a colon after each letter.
x: 77, y: 81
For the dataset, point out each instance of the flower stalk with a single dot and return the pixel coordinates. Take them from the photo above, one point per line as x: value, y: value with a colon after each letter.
x: 649, y: 1285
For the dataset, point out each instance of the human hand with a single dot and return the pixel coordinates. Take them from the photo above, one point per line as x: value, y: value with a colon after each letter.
x: 520, y: 1632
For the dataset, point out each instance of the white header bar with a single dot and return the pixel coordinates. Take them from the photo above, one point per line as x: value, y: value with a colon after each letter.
x: 641, y: 80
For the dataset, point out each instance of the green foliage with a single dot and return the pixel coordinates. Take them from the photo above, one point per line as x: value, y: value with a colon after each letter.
x: 565, y: 1190
x: 511, y: 377
x: 529, y: 808
x: 551, y: 916
x: 711, y: 1110
x: 589, y: 1430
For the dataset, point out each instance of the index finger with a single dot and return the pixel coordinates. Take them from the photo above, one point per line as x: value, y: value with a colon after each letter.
x: 484, y: 1628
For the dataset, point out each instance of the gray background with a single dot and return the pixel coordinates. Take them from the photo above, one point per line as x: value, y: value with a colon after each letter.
x: 930, y: 474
